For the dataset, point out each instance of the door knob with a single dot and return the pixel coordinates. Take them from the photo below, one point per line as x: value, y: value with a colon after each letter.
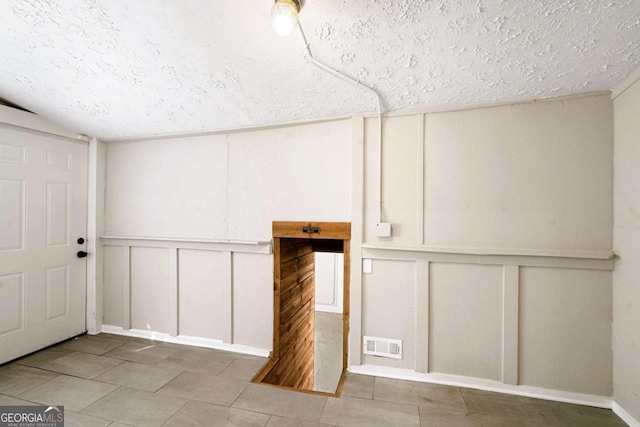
x: 81, y: 254
x: 80, y: 241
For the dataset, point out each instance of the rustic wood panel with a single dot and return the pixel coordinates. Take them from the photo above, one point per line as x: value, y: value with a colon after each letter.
x: 295, y: 366
x: 294, y: 300
x: 296, y: 328
x: 295, y: 279
x: 298, y: 268
x: 292, y: 370
x: 276, y: 298
x: 345, y: 311
x: 294, y: 248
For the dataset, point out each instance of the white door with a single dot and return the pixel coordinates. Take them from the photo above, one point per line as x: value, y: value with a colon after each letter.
x: 43, y: 213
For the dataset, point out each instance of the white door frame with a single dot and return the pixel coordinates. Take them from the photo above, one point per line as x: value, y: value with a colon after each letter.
x: 95, y: 228
x: 32, y: 123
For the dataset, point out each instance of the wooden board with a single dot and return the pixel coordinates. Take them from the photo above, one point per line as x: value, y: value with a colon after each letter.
x: 294, y: 304
x: 276, y: 299
x: 345, y: 310
x: 327, y: 230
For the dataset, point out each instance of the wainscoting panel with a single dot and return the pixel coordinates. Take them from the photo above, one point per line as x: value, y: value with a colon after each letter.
x: 565, y: 329
x: 465, y: 318
x: 189, y: 290
x: 113, y: 273
x: 389, y: 308
x: 204, y: 294
x: 540, y: 324
x: 150, y: 289
x: 253, y: 300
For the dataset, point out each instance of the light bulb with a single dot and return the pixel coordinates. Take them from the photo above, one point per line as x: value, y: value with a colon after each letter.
x: 284, y: 16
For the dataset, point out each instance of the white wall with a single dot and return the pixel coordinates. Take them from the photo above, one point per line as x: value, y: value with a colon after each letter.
x: 626, y: 238
x: 529, y: 176
x: 168, y: 188
x: 497, y: 265
x: 329, y: 282
x: 228, y: 187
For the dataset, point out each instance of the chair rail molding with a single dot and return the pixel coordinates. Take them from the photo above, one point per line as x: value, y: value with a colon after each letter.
x: 223, y: 245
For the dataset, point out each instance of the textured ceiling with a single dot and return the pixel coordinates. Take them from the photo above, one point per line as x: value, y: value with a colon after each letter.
x: 113, y: 68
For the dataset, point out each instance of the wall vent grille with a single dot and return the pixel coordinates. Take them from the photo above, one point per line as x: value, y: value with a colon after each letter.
x: 384, y: 347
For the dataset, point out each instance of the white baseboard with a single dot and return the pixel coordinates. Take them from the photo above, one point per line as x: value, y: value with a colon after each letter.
x: 624, y: 415
x: 186, y: 340
x: 487, y: 385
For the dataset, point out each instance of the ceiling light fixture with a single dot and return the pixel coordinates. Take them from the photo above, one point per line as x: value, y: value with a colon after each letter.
x: 284, y: 19
x: 284, y: 16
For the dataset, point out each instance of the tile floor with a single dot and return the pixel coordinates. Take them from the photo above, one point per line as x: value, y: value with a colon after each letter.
x: 108, y: 380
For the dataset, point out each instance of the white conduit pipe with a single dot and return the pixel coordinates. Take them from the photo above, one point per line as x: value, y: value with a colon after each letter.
x: 343, y: 76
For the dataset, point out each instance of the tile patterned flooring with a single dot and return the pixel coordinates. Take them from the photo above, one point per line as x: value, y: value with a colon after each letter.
x: 115, y: 381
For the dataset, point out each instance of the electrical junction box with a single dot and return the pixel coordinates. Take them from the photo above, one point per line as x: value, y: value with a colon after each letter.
x: 367, y: 265
x: 383, y: 229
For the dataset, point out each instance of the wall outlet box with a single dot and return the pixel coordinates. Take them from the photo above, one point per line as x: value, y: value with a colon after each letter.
x: 367, y: 266
x: 383, y: 229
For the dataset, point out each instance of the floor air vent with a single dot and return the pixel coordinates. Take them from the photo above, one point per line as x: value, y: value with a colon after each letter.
x: 384, y: 347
